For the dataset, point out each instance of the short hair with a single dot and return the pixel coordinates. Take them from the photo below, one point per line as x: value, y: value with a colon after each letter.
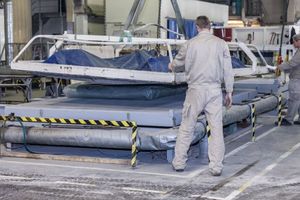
x: 203, y: 22
x: 296, y: 37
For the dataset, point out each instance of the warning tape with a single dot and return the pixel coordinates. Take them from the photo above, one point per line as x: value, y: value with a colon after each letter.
x: 133, y: 145
x: 253, y: 120
x: 279, y: 108
x: 113, y: 123
x: 68, y: 121
x: 208, y: 131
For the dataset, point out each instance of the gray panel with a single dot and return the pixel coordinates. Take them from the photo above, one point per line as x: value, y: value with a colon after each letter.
x: 267, y: 86
x: 165, y: 112
x: 243, y: 95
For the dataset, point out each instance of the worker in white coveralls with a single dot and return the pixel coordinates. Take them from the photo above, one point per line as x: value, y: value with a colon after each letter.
x: 207, y: 63
x: 293, y: 68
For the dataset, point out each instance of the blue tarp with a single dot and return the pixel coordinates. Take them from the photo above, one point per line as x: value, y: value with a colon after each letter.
x: 189, y: 25
x: 134, y: 92
x: 138, y: 60
x: 237, y: 63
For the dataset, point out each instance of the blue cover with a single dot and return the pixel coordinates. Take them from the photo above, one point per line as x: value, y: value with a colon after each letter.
x: 138, y: 60
x: 189, y: 26
x: 133, y: 92
x: 237, y: 63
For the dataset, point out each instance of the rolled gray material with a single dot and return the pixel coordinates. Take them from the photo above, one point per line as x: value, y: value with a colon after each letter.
x: 148, y: 138
x: 71, y: 137
x: 118, y: 138
x: 266, y: 104
x: 235, y: 114
x: 239, y: 112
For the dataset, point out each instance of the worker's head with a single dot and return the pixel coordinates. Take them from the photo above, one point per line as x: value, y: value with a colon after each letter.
x: 202, y: 22
x: 296, y: 41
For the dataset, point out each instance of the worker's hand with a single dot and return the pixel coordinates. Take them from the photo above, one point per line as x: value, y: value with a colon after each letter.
x: 228, y: 99
x: 170, y: 66
x: 277, y: 72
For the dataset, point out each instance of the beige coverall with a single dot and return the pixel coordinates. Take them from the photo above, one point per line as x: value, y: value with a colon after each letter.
x: 207, y: 64
x: 293, y: 67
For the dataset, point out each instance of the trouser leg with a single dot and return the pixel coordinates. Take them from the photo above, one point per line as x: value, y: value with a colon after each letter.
x: 191, y: 109
x: 216, y: 146
x: 293, y: 108
x: 299, y: 112
x: 294, y: 100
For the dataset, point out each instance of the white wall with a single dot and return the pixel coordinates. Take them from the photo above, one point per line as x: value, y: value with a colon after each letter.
x: 190, y: 9
x: 117, y: 12
x: 294, y: 11
x: 96, y: 29
x: 273, y: 11
x: 2, y: 34
x: 97, y: 6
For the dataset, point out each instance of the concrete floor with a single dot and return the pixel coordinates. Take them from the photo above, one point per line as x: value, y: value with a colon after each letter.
x: 265, y: 169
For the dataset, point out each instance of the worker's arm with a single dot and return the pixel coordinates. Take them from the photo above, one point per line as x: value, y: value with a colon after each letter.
x: 228, y: 75
x: 178, y: 63
x: 294, y: 62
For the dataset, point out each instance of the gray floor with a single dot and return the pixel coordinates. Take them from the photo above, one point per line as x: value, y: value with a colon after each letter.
x: 265, y: 169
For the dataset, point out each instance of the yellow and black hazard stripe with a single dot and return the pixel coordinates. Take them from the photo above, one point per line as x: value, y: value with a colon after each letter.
x: 113, y: 123
x: 253, y: 120
x: 68, y: 121
x: 133, y: 145
x: 279, y: 120
x: 208, y: 131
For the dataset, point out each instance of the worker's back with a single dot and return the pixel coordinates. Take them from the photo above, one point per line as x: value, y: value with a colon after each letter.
x: 204, y: 63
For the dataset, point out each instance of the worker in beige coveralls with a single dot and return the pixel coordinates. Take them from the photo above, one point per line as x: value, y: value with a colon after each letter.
x: 293, y: 68
x: 207, y: 64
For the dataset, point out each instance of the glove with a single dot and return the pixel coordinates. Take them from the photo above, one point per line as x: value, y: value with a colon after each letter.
x: 277, y: 72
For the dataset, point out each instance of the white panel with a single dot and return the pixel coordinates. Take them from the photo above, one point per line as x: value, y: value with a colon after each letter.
x: 81, y: 24
x: 97, y: 6
x: 294, y: 11
x: 96, y: 29
x: 117, y: 11
x: 2, y: 36
x: 190, y: 9
x: 22, y: 21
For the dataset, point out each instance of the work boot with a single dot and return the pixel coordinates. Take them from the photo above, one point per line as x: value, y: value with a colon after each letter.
x: 177, y: 170
x: 215, y: 172
x: 297, y: 122
x: 284, y: 123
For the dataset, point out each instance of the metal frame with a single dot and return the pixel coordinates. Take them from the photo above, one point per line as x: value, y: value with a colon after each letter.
x: 25, y: 85
x: 95, y: 74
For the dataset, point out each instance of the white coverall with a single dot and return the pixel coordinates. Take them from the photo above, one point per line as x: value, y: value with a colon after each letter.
x: 207, y: 64
x: 293, y: 67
